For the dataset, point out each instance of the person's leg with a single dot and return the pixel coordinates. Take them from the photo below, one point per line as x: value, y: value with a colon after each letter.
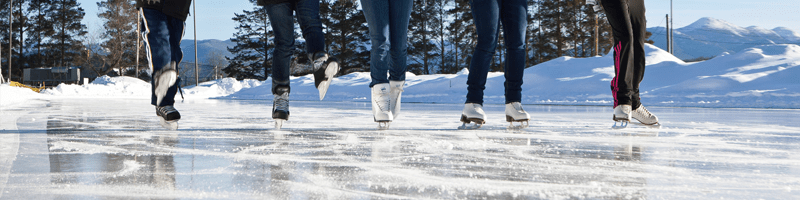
x: 399, y: 16
x: 486, y: 14
x: 280, y: 17
x: 155, y: 33
x: 619, y: 18
x: 515, y: 21
x: 639, y: 27
x: 176, y: 30
x: 310, y: 25
x: 376, y: 13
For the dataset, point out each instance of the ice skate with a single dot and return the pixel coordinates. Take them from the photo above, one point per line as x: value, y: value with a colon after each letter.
x: 325, y: 67
x: 164, y: 79
x: 473, y: 112
x: 644, y: 117
x: 168, y: 116
x: 515, y: 113
x: 380, y: 105
x: 622, y: 115
x: 394, y: 97
x: 280, y: 106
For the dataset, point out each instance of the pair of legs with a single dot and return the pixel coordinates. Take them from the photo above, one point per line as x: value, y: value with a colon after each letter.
x: 627, y: 19
x: 628, y: 22
x: 162, y: 37
x: 388, y: 30
x: 281, y: 17
x: 488, y: 16
x: 282, y: 21
x: 162, y: 41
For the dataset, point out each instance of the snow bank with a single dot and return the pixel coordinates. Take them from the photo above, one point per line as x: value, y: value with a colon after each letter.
x: 761, y: 76
x: 12, y: 96
x: 104, y: 86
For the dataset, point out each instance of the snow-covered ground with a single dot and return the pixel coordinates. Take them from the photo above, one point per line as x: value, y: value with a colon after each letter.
x: 224, y: 149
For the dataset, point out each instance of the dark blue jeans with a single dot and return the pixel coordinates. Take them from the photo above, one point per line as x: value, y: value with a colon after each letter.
x: 488, y: 14
x: 280, y: 17
x: 162, y: 39
x: 388, y: 32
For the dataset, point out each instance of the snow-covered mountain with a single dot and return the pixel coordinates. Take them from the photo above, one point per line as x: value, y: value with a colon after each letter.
x: 762, y: 77
x: 708, y: 37
x: 204, y: 47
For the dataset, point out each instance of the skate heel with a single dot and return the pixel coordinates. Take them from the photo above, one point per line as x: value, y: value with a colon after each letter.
x: 470, y: 123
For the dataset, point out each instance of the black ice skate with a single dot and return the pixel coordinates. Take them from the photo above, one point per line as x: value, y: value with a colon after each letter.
x: 168, y: 116
x: 280, y: 106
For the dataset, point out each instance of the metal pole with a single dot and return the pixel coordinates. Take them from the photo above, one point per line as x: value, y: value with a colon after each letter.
x: 671, y: 26
x: 669, y: 47
x: 10, y: 38
x: 194, y: 20
x: 138, y: 45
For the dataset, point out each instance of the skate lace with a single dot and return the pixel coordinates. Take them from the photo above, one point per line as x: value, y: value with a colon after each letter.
x: 166, y: 110
x: 282, y: 102
x: 643, y: 112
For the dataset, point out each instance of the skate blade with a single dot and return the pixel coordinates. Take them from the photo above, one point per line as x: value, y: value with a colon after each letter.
x: 470, y: 126
x: 330, y: 71
x: 622, y: 124
x: 279, y: 123
x: 169, y: 125
x: 522, y: 125
x: 383, y: 125
x: 164, y: 84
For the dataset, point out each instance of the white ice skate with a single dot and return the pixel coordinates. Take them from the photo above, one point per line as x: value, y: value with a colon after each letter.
x: 622, y: 115
x: 380, y: 105
x: 644, y: 116
x: 473, y: 112
x: 280, y: 106
x: 325, y: 67
x: 515, y: 113
x: 394, y: 97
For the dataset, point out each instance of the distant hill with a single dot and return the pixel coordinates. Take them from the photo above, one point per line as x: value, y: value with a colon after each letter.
x: 709, y: 37
x: 204, y: 47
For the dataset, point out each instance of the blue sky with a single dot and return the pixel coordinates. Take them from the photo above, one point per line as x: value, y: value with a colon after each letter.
x: 214, y: 16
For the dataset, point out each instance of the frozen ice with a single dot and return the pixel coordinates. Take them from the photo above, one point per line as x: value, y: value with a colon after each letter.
x: 228, y: 149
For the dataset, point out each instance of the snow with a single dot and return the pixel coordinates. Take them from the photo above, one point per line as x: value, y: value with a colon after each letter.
x: 12, y: 96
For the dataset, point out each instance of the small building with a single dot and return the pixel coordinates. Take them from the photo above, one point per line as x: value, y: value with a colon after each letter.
x: 51, y: 76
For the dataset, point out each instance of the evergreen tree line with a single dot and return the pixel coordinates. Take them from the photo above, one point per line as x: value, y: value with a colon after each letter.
x: 441, y: 37
x: 49, y: 33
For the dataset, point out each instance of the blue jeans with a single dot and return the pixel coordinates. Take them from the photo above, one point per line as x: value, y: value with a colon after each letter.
x: 162, y: 39
x: 280, y: 17
x: 488, y: 14
x: 388, y: 32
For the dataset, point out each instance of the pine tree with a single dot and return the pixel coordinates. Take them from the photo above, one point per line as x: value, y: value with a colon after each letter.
x: 40, y: 32
x: 422, y: 49
x: 120, y: 35
x: 462, y: 34
x: 66, y: 16
x: 252, y: 55
x: 346, y: 34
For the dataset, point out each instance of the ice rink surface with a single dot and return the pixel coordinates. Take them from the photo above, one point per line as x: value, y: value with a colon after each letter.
x: 115, y: 149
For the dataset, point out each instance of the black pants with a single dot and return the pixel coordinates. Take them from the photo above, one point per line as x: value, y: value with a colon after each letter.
x: 629, y: 26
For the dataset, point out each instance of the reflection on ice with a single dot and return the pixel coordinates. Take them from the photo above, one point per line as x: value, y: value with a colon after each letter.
x: 228, y: 149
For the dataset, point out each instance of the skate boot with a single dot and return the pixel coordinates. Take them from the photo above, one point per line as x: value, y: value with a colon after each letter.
x: 380, y: 105
x: 644, y: 116
x: 473, y: 112
x: 168, y: 116
x: 515, y: 113
x: 163, y: 80
x: 325, y: 67
x: 280, y: 105
x: 394, y: 97
x: 622, y: 115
